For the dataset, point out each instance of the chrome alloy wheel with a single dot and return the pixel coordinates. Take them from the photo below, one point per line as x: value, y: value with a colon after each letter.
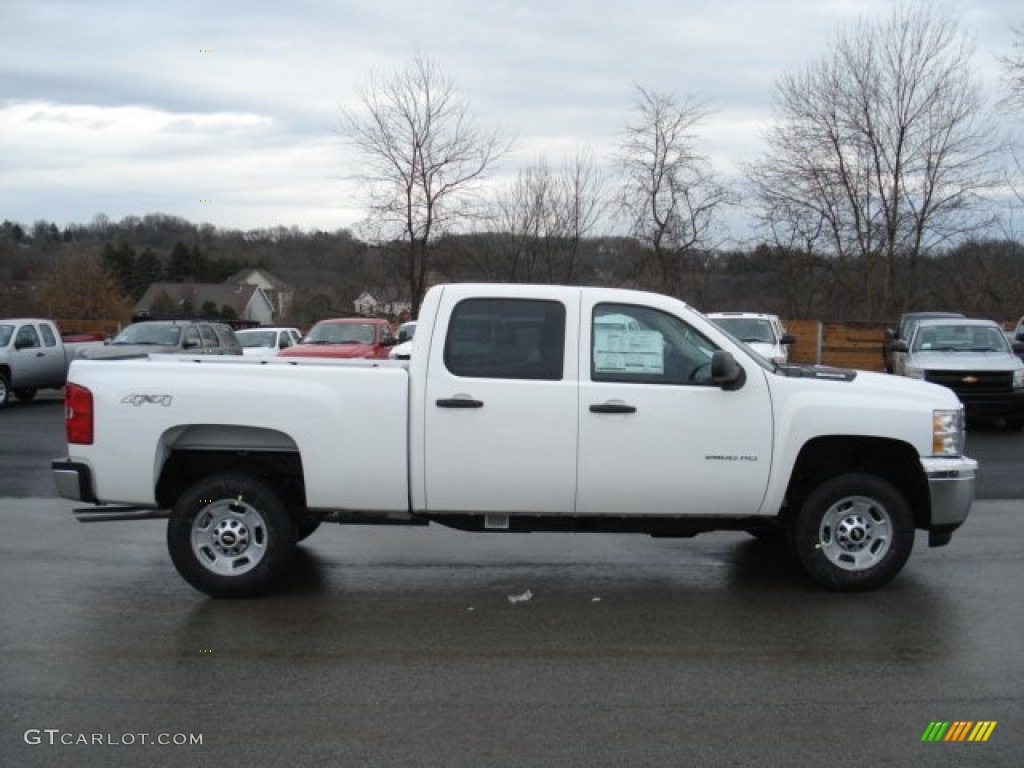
x: 229, y: 537
x: 855, y: 533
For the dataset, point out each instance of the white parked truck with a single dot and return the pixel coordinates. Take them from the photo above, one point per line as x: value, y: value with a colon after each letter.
x: 33, y: 356
x: 532, y: 421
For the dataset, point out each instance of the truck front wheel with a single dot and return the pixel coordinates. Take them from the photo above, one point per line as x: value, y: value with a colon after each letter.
x: 230, y: 536
x: 853, y: 532
x: 5, y: 389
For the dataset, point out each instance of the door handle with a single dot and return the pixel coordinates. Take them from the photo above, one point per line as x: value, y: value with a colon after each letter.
x: 612, y: 408
x: 459, y: 402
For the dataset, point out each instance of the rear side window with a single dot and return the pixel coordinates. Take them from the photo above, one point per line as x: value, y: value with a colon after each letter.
x: 210, y: 339
x: 48, y: 338
x: 506, y: 339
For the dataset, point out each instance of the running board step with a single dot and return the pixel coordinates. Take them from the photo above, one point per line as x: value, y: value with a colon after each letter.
x: 95, y: 515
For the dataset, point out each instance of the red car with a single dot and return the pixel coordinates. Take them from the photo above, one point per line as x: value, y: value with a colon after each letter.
x: 350, y: 337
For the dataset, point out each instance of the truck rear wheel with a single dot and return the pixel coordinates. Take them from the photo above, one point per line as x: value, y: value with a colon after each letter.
x: 853, y: 532
x: 230, y: 536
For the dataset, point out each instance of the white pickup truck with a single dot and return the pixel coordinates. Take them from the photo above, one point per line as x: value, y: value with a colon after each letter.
x: 520, y: 411
x: 33, y: 356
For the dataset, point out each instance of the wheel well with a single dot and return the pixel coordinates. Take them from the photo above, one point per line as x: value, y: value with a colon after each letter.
x: 895, y: 461
x: 282, y: 471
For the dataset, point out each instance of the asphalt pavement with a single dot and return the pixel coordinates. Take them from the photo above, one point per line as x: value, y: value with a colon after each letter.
x: 432, y: 647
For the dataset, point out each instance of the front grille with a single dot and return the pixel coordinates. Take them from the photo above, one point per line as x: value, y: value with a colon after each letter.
x: 968, y: 384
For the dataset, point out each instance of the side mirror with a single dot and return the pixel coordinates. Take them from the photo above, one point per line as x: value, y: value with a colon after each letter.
x: 190, y: 344
x: 22, y: 344
x: 390, y: 341
x: 787, y: 339
x: 900, y: 346
x: 726, y: 372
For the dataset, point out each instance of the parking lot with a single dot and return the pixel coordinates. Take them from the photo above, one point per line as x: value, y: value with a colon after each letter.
x: 430, y: 647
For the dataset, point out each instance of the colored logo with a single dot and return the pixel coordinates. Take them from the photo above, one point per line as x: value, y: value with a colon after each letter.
x: 958, y: 730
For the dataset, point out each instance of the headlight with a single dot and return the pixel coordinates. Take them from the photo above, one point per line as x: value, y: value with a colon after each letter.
x: 913, y: 372
x: 948, y: 433
x: 1018, y: 379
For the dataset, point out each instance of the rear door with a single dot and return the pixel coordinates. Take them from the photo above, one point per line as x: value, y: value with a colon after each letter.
x: 500, y: 410
x: 36, y: 364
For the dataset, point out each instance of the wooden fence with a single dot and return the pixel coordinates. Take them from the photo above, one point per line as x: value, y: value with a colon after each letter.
x: 842, y: 345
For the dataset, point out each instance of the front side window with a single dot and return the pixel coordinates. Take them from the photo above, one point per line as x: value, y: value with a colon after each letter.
x: 506, y: 339
x: 642, y: 345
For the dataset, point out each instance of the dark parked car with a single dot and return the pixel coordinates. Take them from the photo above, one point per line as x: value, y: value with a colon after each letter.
x: 192, y: 337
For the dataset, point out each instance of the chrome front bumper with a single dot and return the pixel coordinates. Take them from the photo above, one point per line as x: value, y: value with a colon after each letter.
x: 951, y: 486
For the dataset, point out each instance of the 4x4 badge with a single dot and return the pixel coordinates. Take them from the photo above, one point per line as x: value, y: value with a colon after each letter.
x: 137, y: 400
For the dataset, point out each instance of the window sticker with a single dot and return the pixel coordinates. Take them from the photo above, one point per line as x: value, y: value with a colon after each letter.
x: 630, y: 352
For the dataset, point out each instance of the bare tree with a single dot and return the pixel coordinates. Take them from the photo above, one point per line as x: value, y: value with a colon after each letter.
x: 542, y: 218
x: 670, y: 194
x: 423, y: 156
x: 79, y: 289
x: 1013, y: 67
x: 881, y: 151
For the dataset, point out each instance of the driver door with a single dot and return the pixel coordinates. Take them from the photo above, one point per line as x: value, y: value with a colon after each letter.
x: 656, y: 437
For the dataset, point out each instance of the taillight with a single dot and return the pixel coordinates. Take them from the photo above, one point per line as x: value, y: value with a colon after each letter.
x: 78, y: 414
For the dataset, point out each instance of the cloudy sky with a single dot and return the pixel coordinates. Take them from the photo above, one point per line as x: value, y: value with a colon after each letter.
x: 227, y: 112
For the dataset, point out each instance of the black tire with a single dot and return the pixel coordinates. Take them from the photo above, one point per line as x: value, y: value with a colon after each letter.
x: 25, y: 395
x: 306, y: 527
x: 770, y: 537
x: 5, y: 390
x: 230, y: 536
x: 854, y: 532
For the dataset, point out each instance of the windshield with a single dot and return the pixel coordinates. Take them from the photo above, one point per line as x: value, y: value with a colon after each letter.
x: 406, y: 331
x: 959, y: 338
x: 750, y: 330
x: 6, y: 331
x: 250, y: 339
x: 150, y: 333
x: 341, y: 333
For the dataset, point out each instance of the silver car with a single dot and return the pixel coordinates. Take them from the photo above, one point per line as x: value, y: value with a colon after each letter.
x: 973, y: 358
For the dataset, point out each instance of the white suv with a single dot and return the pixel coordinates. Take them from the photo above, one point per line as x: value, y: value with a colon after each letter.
x: 762, y: 333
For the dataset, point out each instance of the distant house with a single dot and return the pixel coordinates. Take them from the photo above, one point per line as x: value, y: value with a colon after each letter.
x: 277, y: 291
x: 235, y: 301
x: 367, y: 304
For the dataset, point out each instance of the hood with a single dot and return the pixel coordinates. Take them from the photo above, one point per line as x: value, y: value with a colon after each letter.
x: 767, y: 351
x: 964, y: 361
x: 884, y: 386
x: 401, y: 351
x: 342, y: 351
x: 121, y: 351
